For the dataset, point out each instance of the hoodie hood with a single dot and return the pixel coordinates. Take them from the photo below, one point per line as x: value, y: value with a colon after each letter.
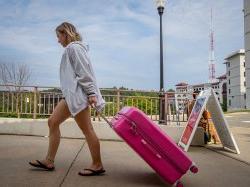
x: 84, y: 45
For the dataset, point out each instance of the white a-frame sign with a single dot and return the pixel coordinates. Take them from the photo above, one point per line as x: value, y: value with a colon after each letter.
x: 207, y: 98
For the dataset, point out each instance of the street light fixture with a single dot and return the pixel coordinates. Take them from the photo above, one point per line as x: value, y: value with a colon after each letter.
x: 160, y: 7
x: 160, y: 3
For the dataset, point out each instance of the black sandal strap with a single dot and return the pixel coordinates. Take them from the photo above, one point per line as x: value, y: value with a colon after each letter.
x: 44, y: 166
x: 93, y: 171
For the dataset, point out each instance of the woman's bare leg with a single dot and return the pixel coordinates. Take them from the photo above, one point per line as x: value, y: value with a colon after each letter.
x: 84, y: 122
x: 60, y: 114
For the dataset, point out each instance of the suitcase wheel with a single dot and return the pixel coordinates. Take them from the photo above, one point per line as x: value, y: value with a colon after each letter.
x: 179, y: 184
x: 194, y: 169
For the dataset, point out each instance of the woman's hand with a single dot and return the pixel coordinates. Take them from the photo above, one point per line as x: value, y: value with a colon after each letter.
x: 92, y: 100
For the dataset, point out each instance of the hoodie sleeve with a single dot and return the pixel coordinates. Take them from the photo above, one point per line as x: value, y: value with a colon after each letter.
x: 80, y: 63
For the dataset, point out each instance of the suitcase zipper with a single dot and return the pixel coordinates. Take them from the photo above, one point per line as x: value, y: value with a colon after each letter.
x: 158, y: 151
x: 146, y: 140
x: 133, y: 128
x: 150, y: 148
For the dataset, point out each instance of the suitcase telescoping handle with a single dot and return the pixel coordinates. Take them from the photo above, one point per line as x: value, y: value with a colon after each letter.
x: 102, y: 116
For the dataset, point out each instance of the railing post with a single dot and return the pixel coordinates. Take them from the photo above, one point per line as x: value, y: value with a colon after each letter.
x: 118, y: 100
x: 170, y: 112
x: 166, y: 108
x: 35, y: 103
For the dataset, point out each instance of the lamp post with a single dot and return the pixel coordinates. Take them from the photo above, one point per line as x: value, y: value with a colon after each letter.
x: 160, y: 7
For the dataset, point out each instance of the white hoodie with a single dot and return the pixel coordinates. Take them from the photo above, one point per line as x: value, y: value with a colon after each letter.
x: 77, y: 78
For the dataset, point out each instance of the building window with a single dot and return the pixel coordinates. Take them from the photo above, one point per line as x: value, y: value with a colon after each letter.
x: 244, y: 74
x: 228, y: 64
x: 229, y: 91
x: 229, y: 102
x: 244, y: 64
x: 244, y: 83
x: 228, y: 73
x: 228, y: 81
x: 245, y: 96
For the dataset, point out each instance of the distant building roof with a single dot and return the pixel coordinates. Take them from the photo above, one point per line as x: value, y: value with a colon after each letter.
x: 215, y: 83
x: 222, y: 77
x: 181, y: 84
x: 171, y: 95
x: 241, y: 51
x: 207, y: 84
x: 198, y: 85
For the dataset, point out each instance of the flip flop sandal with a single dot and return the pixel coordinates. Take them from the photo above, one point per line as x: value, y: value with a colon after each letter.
x: 41, y: 165
x: 93, y: 172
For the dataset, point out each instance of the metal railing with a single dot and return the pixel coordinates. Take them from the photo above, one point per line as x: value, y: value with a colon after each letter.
x: 39, y: 102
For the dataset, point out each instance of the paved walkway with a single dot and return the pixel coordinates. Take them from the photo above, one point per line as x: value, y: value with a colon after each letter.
x: 125, y: 168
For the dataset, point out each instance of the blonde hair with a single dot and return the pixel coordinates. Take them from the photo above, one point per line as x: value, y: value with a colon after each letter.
x: 70, y: 31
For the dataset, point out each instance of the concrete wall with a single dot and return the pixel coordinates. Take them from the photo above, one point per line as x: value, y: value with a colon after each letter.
x: 247, y: 49
x: 69, y: 129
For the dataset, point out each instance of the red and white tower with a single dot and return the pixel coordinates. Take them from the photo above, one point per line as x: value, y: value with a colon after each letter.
x: 211, y: 51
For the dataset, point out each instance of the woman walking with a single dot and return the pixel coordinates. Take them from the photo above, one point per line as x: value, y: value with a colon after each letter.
x: 79, y: 89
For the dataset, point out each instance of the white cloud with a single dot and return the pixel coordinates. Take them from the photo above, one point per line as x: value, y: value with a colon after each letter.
x: 124, y: 37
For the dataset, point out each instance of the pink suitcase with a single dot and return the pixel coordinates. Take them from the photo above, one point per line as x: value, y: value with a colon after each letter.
x: 152, y: 144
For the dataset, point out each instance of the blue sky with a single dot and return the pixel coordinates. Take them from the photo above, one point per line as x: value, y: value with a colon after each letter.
x: 123, y: 37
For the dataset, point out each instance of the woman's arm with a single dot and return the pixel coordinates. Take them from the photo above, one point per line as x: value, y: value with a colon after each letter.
x: 79, y: 60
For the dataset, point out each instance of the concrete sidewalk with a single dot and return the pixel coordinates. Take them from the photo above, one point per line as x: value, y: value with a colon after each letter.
x: 124, y: 167
x: 240, y: 127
